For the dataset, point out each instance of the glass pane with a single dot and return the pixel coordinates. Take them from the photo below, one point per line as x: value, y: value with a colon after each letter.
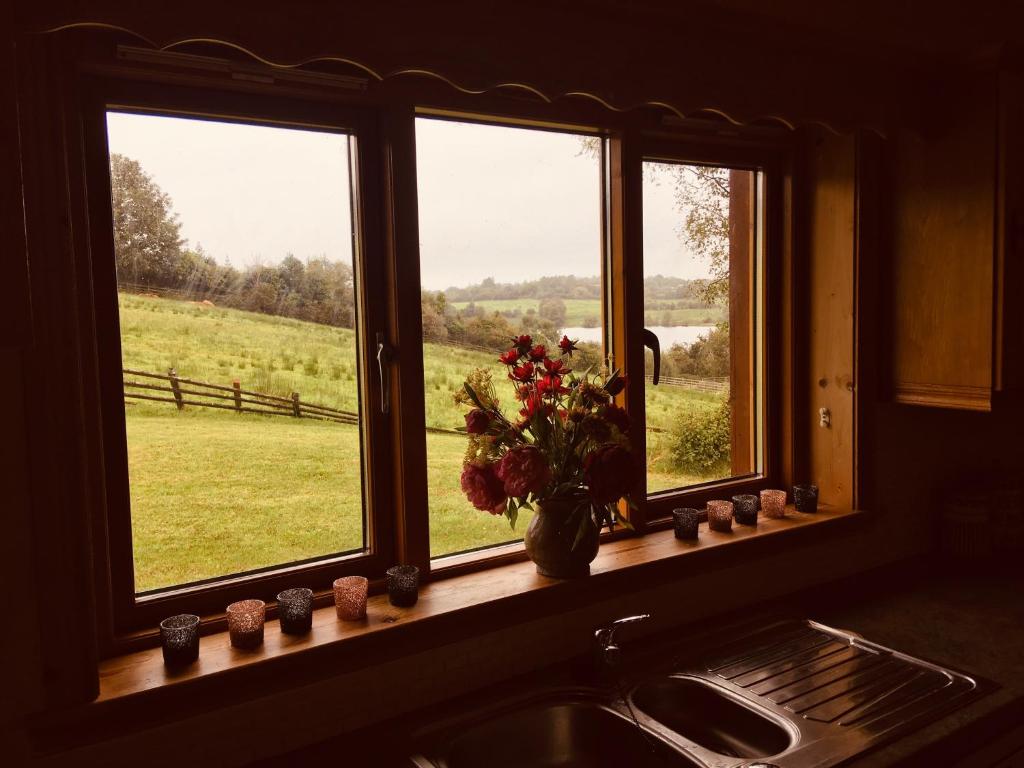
x: 235, y: 285
x: 700, y: 284
x: 510, y: 244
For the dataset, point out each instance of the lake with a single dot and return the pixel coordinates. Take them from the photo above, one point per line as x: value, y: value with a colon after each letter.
x: 668, y: 335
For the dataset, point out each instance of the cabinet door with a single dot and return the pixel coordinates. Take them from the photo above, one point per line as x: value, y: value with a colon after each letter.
x: 943, y: 212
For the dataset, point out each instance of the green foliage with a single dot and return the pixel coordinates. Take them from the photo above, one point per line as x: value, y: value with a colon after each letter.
x: 701, y: 440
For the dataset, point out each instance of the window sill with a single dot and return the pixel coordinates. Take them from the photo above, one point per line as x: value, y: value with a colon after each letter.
x: 514, y: 592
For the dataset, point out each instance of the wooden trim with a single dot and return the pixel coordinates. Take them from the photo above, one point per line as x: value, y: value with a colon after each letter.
x: 743, y: 236
x: 618, y: 563
x: 962, y: 397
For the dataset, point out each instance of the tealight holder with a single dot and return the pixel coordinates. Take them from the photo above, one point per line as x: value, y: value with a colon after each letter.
x: 179, y: 638
x: 773, y: 503
x: 745, y: 507
x: 403, y: 585
x: 805, y: 497
x: 350, y: 597
x: 720, y: 515
x: 295, y: 610
x: 685, y: 521
x: 245, y: 623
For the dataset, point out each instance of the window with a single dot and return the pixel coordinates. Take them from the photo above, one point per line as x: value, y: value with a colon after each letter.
x: 510, y: 224
x: 251, y: 268
x: 702, y: 273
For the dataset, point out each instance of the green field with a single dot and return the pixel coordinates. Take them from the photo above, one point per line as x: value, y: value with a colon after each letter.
x: 587, y: 312
x: 215, y: 492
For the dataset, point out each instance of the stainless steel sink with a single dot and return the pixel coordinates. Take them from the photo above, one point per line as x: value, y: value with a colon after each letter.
x: 563, y: 729
x: 790, y: 693
x: 708, y: 716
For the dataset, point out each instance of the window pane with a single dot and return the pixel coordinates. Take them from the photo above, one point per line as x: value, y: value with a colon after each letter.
x: 510, y: 243
x: 234, y: 255
x: 700, y: 284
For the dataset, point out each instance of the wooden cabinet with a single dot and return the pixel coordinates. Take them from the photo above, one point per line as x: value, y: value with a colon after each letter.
x: 955, y: 226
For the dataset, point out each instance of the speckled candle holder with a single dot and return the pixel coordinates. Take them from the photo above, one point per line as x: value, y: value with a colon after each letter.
x: 295, y: 610
x: 745, y: 507
x: 179, y: 637
x: 350, y: 597
x: 403, y: 585
x: 773, y: 503
x: 805, y: 497
x: 720, y: 515
x: 685, y: 521
x: 245, y: 623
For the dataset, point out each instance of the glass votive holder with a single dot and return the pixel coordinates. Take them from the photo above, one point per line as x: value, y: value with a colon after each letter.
x: 773, y: 503
x: 685, y: 521
x: 720, y: 515
x: 295, y: 610
x: 350, y: 597
x: 245, y: 623
x: 805, y: 497
x: 179, y: 637
x: 403, y: 585
x: 745, y: 507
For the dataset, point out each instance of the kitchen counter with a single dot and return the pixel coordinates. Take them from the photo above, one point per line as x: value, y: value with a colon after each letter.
x: 971, y: 621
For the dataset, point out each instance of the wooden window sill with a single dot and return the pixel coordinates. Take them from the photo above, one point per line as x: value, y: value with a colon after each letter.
x: 514, y: 592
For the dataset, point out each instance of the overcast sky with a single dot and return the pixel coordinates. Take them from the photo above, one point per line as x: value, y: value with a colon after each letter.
x: 507, y: 203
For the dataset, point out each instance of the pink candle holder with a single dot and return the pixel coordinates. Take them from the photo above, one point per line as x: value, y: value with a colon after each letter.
x: 350, y: 597
x: 245, y: 623
x: 720, y: 515
x: 773, y: 503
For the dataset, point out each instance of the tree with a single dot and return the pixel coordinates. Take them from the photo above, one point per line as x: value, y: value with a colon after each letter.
x: 147, y: 233
x: 552, y: 310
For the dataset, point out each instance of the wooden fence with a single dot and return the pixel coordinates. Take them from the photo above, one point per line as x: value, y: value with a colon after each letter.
x: 717, y: 385
x: 171, y: 388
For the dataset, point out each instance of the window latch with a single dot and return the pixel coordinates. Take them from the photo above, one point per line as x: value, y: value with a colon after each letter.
x: 652, y: 343
x: 385, y: 355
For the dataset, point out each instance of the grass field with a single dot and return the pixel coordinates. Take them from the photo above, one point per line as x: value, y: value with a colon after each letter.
x: 587, y: 312
x: 215, y: 492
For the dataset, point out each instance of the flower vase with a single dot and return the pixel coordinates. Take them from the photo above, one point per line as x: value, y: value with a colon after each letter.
x: 554, y: 530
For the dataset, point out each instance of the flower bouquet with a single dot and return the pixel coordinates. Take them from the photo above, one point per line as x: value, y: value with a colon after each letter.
x: 568, y: 453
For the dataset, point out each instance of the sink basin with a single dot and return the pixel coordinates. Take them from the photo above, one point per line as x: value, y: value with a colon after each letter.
x: 556, y: 733
x: 710, y: 717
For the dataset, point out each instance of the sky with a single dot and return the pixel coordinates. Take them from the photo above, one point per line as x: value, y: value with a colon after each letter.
x: 494, y: 201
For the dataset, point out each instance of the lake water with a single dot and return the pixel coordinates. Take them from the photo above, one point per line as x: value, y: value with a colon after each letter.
x: 668, y: 335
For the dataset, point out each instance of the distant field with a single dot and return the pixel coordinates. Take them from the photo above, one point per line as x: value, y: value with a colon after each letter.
x: 215, y: 492
x: 587, y: 312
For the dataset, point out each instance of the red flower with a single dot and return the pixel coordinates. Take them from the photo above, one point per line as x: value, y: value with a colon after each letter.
x: 551, y: 385
x: 524, y: 470
x: 522, y: 372
x: 523, y: 391
x: 523, y: 343
x: 477, y: 421
x: 510, y: 358
x: 617, y: 416
x: 610, y: 472
x: 532, y: 405
x: 555, y: 366
x: 537, y: 353
x: 484, y: 488
x: 567, y: 347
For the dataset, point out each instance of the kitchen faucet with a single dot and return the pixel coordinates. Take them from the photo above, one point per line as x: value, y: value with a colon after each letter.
x: 607, y: 650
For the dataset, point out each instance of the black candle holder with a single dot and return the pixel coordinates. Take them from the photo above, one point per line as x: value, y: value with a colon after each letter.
x: 745, y: 508
x: 179, y: 637
x: 685, y: 521
x: 805, y: 497
x: 403, y: 585
x: 295, y: 610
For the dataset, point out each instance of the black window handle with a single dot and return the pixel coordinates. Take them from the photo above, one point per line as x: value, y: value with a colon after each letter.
x: 652, y: 343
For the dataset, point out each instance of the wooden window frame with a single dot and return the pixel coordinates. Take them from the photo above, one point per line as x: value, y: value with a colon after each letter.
x: 125, y: 611
x: 384, y: 123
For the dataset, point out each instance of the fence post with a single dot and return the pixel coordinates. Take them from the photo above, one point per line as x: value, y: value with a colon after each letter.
x: 296, y: 410
x: 237, y: 386
x: 175, y: 388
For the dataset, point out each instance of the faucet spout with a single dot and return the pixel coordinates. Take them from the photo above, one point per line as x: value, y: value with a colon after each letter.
x: 607, y: 649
